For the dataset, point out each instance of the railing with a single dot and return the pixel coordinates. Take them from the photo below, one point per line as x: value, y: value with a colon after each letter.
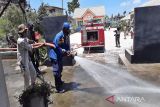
x: 8, y: 53
x: 8, y: 49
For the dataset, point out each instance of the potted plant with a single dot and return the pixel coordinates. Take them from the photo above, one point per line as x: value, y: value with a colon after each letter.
x: 36, y: 95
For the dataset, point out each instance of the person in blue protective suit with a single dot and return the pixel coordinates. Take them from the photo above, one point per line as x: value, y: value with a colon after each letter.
x: 56, y: 52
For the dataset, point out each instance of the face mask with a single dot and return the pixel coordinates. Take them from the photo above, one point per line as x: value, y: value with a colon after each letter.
x: 66, y: 32
x: 25, y: 34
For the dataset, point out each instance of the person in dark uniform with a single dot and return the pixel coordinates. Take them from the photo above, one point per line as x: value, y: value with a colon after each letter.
x: 117, y: 37
x: 34, y: 55
x: 57, y: 49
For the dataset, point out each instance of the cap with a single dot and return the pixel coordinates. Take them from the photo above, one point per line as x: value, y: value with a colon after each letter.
x: 22, y: 28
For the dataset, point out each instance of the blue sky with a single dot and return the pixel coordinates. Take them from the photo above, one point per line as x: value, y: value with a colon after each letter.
x: 112, y: 6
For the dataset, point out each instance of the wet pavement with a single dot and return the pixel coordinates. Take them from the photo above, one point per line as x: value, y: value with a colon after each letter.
x: 89, y: 83
x: 81, y: 88
x: 117, y: 81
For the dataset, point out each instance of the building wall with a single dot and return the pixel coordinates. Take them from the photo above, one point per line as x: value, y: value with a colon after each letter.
x: 88, y: 16
x: 59, y: 12
x: 55, y: 12
x: 147, y: 34
x: 81, y: 21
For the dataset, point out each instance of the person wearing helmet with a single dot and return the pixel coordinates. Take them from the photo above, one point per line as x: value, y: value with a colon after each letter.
x: 56, y: 52
x: 65, y: 32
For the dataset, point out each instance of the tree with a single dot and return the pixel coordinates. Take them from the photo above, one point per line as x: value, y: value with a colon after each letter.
x: 5, y: 7
x: 32, y: 15
x: 13, y: 17
x: 118, y: 16
x: 124, y: 13
x: 22, y: 4
x: 106, y: 17
x: 72, y: 6
x: 3, y: 27
x: 42, y: 12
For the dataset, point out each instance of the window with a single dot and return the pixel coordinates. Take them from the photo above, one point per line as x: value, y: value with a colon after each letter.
x: 92, y: 36
x: 52, y: 11
x: 80, y: 23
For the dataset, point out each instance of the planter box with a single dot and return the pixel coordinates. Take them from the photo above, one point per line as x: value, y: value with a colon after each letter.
x: 37, y: 102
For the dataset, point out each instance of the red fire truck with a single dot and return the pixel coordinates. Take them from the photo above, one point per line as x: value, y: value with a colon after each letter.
x: 92, y: 35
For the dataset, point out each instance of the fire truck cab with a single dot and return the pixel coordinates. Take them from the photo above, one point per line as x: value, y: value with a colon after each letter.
x: 92, y: 35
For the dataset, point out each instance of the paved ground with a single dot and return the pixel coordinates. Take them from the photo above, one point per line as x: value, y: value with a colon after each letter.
x: 94, y: 78
x: 81, y: 89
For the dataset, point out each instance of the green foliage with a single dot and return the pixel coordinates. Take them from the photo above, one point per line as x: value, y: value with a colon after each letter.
x: 32, y: 16
x: 10, y: 20
x: 3, y: 27
x: 123, y: 24
x: 42, y: 12
x: 43, y: 90
x: 72, y: 5
x: 124, y: 13
x: 38, y: 27
x: 106, y: 17
x: 13, y: 17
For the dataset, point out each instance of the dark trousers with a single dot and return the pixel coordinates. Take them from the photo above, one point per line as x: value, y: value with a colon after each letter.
x: 58, y: 83
x: 60, y: 65
x: 117, y: 41
x: 58, y: 76
x: 35, y: 59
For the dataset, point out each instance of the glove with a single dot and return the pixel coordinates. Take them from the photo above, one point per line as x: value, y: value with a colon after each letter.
x: 63, y: 50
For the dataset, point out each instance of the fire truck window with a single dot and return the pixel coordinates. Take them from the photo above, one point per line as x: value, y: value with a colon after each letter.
x: 92, y: 36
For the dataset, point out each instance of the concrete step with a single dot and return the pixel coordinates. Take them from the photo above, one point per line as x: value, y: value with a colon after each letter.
x: 123, y: 60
